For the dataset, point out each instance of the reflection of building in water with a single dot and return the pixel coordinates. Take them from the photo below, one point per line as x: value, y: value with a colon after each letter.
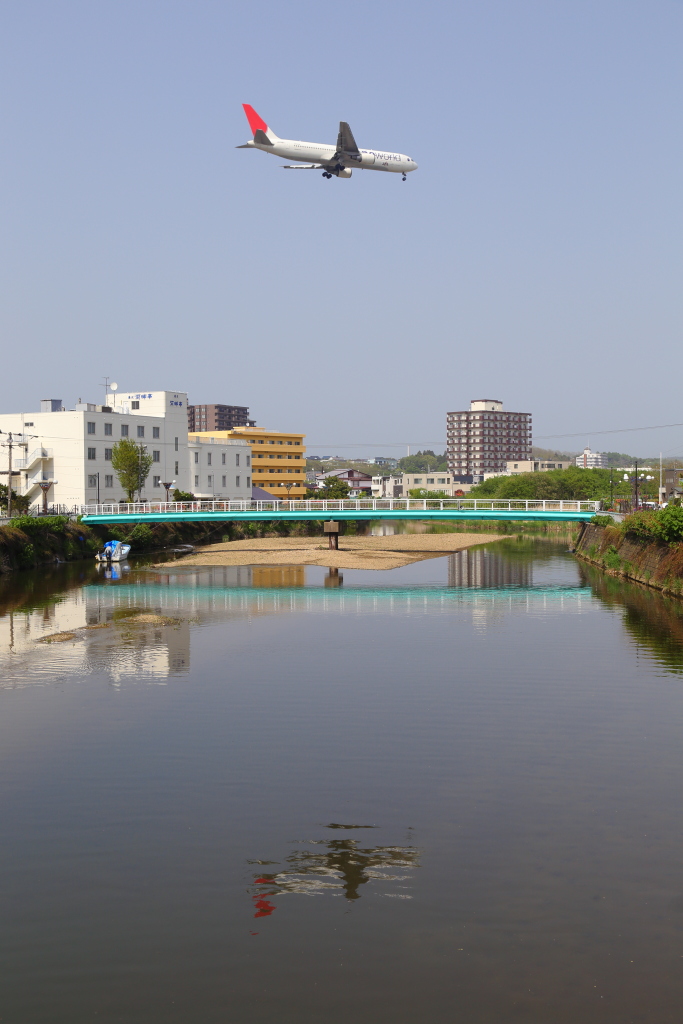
x: 278, y: 575
x: 337, y: 866
x: 484, y: 568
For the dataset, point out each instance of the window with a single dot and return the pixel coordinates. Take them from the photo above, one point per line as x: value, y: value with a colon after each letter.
x: 417, y: 480
x: 175, y: 471
x: 430, y: 479
x: 92, y: 480
x: 156, y: 481
x: 223, y: 459
x: 196, y: 481
x: 209, y: 480
x: 156, y: 456
x: 248, y: 460
x: 237, y: 460
x: 27, y: 424
x: 92, y: 454
x: 237, y: 481
x: 107, y: 454
x: 135, y: 405
x: 224, y: 481
x: 248, y: 481
x: 196, y: 456
x: 156, y: 432
x: 141, y: 431
x: 108, y: 429
x: 208, y: 458
x: 124, y: 430
x: 176, y: 446
x: 91, y: 427
x: 109, y: 481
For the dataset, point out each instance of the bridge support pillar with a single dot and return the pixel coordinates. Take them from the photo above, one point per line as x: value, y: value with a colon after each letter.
x: 332, y: 529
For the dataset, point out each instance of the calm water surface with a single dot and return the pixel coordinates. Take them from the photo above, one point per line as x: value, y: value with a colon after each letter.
x: 450, y: 792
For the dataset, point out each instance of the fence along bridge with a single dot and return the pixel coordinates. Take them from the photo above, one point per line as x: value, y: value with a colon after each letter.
x: 355, y: 509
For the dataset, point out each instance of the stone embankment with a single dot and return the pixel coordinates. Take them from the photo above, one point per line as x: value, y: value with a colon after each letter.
x: 625, y: 554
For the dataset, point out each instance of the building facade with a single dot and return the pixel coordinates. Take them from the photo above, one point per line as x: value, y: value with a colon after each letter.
x: 484, y: 438
x: 360, y: 484
x: 277, y: 459
x: 592, y: 460
x: 220, y: 468
x: 217, y: 417
x: 399, y: 485
x: 531, y: 466
x: 71, y: 450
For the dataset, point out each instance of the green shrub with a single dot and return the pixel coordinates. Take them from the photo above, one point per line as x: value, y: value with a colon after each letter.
x: 40, y: 524
x: 602, y: 521
x: 141, y: 536
x: 664, y: 524
x: 611, y: 557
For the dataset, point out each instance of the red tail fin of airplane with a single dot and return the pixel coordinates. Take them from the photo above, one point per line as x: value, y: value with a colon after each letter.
x: 255, y: 122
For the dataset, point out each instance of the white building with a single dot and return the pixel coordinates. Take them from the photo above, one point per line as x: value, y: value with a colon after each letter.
x: 592, y: 460
x: 530, y: 466
x: 71, y: 449
x: 220, y: 468
x: 399, y: 485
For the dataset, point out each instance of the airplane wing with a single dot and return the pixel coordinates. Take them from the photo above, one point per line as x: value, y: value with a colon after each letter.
x: 345, y: 140
x: 302, y: 167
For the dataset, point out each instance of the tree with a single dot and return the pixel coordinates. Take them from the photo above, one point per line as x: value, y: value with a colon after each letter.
x: 131, y: 462
x: 20, y: 502
x: 183, y: 495
x: 423, y: 462
x: 333, y: 489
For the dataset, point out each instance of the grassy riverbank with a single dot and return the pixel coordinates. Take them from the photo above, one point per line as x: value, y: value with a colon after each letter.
x: 30, y: 541
x: 646, y: 547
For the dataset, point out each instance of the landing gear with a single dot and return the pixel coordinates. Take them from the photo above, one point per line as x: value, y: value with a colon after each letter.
x: 326, y: 174
x: 404, y: 177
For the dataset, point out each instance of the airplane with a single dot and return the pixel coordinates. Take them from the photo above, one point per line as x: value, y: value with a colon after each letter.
x: 334, y: 161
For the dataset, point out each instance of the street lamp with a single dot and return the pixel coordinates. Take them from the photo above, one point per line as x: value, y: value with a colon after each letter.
x: 168, y: 487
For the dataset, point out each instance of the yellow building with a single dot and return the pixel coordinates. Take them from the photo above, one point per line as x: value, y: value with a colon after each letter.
x: 278, y: 460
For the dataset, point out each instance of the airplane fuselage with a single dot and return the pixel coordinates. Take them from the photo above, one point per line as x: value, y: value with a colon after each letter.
x: 316, y: 152
x: 334, y: 161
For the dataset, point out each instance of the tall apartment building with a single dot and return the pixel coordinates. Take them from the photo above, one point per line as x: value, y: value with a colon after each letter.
x: 217, y: 417
x: 277, y: 458
x: 484, y: 438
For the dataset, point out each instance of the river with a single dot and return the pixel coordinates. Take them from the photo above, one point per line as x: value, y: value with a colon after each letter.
x: 447, y: 792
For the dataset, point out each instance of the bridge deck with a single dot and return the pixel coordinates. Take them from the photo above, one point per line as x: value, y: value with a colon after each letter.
x: 376, y: 508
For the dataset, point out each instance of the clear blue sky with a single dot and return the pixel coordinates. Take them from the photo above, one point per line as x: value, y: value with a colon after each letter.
x: 534, y: 256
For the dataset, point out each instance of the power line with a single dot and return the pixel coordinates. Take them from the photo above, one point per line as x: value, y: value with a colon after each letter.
x: 620, y: 430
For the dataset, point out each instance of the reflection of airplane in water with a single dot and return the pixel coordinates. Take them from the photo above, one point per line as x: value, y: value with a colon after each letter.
x: 338, y: 867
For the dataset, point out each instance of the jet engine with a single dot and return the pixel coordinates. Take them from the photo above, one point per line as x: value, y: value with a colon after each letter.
x: 345, y: 172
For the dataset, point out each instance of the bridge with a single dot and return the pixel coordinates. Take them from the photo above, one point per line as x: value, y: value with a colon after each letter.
x: 452, y: 509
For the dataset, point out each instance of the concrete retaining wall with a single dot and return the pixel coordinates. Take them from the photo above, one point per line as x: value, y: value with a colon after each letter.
x: 632, y: 557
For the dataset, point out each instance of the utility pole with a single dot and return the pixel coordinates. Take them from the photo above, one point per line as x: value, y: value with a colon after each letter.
x: 8, y: 444
x: 636, y: 487
x: 611, y: 486
x: 661, y: 496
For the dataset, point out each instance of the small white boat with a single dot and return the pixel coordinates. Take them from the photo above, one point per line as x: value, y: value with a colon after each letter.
x: 114, y: 551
